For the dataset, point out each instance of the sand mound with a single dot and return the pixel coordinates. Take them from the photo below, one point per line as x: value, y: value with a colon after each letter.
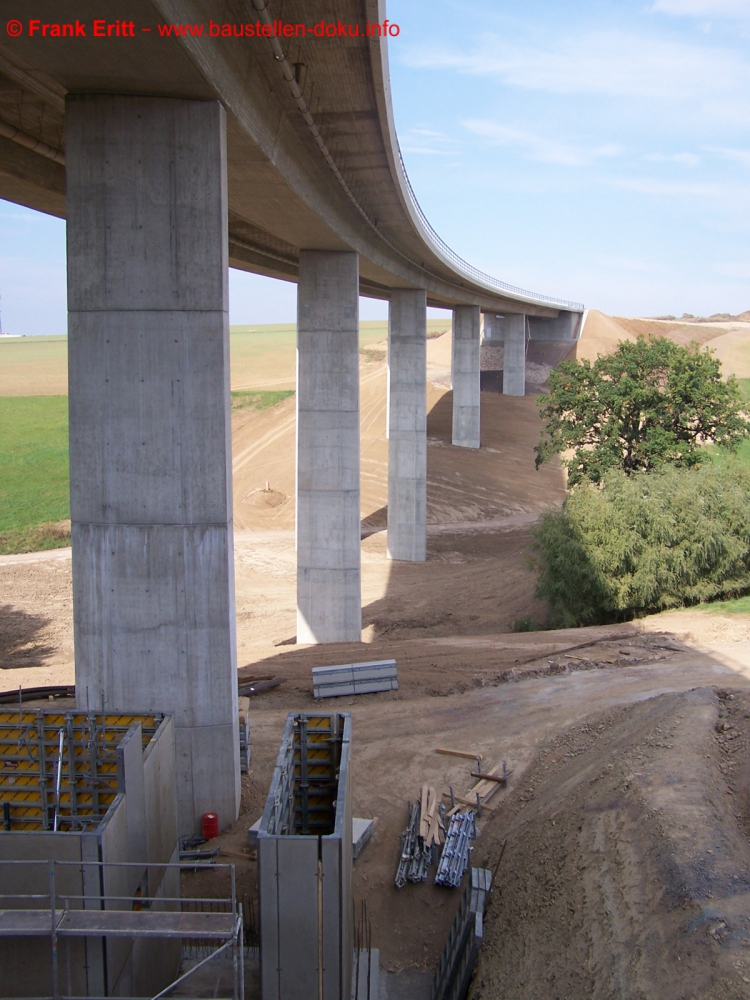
x: 732, y: 348
x: 601, y: 335
x: 627, y: 868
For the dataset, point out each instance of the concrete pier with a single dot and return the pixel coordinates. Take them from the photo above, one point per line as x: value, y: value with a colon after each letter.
x: 407, y: 425
x: 150, y: 458
x: 514, y: 371
x: 329, y: 604
x: 465, y: 376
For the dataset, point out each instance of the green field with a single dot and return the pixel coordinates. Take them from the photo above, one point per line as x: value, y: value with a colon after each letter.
x: 33, y: 472
x: 722, y: 456
x: 738, y: 606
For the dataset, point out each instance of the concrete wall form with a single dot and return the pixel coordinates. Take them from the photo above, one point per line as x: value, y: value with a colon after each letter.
x: 139, y: 826
x: 306, y: 913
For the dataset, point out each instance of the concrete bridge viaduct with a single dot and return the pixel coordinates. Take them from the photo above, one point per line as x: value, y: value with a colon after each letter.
x: 172, y: 158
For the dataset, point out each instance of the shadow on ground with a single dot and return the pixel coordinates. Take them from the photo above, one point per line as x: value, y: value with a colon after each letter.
x: 20, y: 643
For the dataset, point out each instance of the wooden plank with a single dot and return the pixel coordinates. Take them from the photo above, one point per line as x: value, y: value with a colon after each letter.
x: 484, y: 787
x: 432, y: 835
x: 424, y: 823
x: 431, y: 802
x: 472, y: 803
x: 459, y: 753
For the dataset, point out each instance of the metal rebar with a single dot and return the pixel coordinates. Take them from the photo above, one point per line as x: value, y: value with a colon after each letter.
x: 72, y: 773
x: 58, y: 778
x: 42, y: 760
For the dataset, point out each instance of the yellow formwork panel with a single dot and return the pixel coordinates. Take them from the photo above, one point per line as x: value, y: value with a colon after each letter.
x: 28, y: 776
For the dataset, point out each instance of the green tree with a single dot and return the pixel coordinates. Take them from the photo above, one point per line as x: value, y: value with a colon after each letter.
x: 648, y: 404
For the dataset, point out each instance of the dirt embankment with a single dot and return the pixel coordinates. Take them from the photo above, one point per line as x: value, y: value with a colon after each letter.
x: 627, y: 867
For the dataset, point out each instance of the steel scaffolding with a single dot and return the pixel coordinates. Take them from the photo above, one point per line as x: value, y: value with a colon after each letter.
x: 63, y: 916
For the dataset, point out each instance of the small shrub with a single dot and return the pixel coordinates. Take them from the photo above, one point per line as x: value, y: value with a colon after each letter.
x: 645, y: 542
x: 259, y: 399
x: 526, y: 624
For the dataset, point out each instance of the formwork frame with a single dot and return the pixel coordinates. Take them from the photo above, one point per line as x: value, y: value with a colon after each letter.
x: 59, y: 771
x: 305, y: 864
x: 123, y: 917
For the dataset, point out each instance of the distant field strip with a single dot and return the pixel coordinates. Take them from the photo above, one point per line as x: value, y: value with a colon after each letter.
x: 261, y: 357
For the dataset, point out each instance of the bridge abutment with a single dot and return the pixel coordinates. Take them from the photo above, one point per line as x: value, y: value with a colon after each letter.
x: 328, y: 512
x: 465, y: 376
x: 150, y: 455
x: 407, y: 425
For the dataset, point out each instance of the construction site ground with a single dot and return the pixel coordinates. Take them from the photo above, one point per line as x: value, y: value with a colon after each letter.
x: 627, y: 866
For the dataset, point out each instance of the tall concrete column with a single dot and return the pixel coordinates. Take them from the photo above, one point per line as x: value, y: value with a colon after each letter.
x: 514, y: 364
x: 407, y: 409
x: 465, y: 376
x: 150, y: 457
x: 329, y: 603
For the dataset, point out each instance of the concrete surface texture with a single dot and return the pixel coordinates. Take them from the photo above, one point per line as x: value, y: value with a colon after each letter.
x: 151, y: 502
x: 465, y: 376
x: 514, y: 372
x: 407, y: 426
x: 328, y: 518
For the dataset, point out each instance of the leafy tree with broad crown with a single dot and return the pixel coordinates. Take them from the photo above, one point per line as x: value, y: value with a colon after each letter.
x: 648, y: 404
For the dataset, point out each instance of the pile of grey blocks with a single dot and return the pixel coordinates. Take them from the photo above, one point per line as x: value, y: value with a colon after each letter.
x: 355, y: 678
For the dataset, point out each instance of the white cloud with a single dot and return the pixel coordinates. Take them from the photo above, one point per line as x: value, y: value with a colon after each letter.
x: 614, y: 63
x: 734, y: 269
x: 428, y: 142
x: 684, y: 159
x: 649, y: 185
x: 736, y: 155
x: 704, y: 8
x: 545, y: 149
x: 424, y: 150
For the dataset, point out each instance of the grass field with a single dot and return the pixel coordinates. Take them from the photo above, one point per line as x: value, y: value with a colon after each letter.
x: 33, y: 472
x: 722, y: 456
x: 738, y: 606
x: 34, y: 476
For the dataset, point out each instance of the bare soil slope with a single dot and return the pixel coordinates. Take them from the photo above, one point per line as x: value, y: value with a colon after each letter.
x: 627, y: 868
x: 730, y: 339
x: 496, y: 481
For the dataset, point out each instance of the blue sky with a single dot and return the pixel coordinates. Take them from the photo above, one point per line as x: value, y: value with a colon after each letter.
x: 593, y: 150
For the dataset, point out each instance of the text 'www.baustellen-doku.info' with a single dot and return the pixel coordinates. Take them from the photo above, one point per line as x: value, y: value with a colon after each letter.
x: 101, y: 28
